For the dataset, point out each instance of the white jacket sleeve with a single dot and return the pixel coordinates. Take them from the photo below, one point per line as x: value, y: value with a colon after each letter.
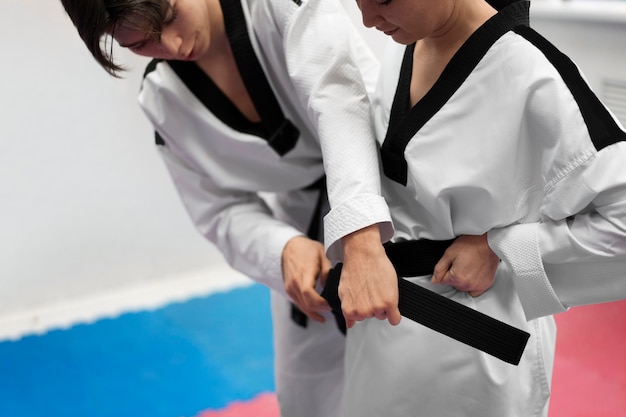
x: 333, y: 71
x: 576, y: 254
x: 239, y: 223
x: 576, y: 260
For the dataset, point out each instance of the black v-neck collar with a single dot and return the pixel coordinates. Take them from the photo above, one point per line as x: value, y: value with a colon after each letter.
x: 208, y: 93
x: 278, y: 131
x: 405, y: 122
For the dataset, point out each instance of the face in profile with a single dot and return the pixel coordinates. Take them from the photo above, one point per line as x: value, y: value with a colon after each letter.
x: 185, y: 34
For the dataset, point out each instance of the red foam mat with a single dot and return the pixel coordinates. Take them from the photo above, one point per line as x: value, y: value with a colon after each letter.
x: 589, y: 377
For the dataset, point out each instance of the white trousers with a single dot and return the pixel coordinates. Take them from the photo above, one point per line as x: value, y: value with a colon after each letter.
x: 308, y: 363
x: 412, y: 371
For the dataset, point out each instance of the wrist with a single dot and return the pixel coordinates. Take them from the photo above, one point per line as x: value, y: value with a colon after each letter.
x: 363, y: 242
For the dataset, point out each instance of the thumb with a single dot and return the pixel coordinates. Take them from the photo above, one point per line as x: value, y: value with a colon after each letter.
x: 441, y: 269
x: 394, y: 317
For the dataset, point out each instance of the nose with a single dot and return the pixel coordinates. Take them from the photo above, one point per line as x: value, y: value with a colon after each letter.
x: 368, y: 12
x: 170, y: 43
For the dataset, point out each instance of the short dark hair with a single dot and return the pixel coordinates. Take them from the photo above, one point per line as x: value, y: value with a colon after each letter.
x: 96, y: 21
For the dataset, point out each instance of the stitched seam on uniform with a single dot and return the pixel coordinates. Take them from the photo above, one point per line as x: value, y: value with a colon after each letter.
x: 575, y: 163
x: 540, y: 367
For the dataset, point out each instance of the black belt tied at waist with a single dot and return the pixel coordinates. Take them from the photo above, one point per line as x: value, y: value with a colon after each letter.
x: 417, y: 258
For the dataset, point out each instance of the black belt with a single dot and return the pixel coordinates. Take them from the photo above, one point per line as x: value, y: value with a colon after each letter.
x: 417, y: 258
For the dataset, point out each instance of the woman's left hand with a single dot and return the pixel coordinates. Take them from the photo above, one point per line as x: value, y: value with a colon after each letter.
x: 468, y: 265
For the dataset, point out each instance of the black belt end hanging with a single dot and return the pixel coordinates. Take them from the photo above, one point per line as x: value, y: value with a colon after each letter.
x: 461, y: 322
x: 448, y: 317
x: 298, y: 317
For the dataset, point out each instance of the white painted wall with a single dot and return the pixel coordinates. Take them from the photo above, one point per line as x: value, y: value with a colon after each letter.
x: 86, y: 205
x: 592, y: 33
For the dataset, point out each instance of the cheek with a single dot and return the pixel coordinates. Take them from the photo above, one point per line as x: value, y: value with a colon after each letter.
x: 410, y: 28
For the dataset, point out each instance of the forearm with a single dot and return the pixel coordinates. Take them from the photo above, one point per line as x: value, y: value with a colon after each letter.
x: 332, y: 74
x: 240, y: 224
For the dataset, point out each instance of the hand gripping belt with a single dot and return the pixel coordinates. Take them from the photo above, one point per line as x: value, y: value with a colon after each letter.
x: 418, y: 258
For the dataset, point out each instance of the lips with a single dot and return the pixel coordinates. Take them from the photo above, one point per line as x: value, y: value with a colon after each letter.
x: 387, y: 32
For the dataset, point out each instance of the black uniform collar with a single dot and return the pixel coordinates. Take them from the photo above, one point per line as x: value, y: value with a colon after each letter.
x: 405, y: 121
x: 279, y: 132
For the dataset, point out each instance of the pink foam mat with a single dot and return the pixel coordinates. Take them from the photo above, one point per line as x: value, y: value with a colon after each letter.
x: 263, y: 405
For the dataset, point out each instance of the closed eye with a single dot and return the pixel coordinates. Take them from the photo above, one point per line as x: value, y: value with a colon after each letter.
x: 136, y: 46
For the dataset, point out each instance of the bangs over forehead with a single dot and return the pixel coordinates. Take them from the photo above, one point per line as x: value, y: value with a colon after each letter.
x: 96, y: 21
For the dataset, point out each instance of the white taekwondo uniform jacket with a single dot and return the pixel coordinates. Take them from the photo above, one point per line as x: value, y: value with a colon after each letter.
x: 318, y: 69
x: 510, y: 141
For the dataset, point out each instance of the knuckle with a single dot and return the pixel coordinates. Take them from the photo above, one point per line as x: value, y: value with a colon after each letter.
x: 382, y: 307
x: 354, y: 314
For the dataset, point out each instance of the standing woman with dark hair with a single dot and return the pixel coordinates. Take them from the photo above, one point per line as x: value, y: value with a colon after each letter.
x: 245, y: 97
x: 487, y: 130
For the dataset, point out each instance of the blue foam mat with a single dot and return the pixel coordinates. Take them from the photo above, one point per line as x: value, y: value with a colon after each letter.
x: 171, y: 362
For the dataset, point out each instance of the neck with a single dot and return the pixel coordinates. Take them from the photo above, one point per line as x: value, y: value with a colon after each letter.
x: 219, y: 45
x: 465, y: 17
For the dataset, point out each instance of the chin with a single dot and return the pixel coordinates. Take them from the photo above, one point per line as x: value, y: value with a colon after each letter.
x: 403, y: 40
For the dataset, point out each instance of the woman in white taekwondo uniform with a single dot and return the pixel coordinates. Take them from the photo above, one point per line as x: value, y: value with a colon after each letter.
x: 245, y: 96
x: 486, y: 129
